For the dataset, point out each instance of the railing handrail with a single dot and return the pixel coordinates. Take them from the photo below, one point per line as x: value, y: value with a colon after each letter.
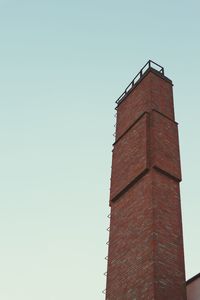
x: 147, y: 66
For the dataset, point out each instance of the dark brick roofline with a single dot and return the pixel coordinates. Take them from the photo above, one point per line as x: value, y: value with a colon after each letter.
x: 192, y: 279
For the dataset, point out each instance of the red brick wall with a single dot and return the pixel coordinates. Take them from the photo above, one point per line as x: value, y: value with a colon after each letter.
x: 130, y: 265
x: 168, y: 249
x: 129, y: 156
x: 149, y: 94
x: 193, y: 289
x: 165, y: 147
x: 145, y: 258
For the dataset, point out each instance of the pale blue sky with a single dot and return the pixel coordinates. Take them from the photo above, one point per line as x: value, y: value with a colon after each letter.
x: 63, y: 64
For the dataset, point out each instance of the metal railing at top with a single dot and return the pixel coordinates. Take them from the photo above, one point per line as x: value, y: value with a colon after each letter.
x: 149, y: 65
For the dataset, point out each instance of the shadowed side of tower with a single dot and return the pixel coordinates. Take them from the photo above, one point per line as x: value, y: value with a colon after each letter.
x: 145, y: 259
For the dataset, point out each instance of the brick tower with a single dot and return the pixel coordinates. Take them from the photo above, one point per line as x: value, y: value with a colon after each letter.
x: 145, y: 259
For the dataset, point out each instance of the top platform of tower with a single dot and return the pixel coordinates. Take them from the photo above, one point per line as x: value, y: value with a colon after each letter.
x: 150, y: 66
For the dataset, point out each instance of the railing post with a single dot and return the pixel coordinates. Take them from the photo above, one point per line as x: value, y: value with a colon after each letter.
x: 149, y: 64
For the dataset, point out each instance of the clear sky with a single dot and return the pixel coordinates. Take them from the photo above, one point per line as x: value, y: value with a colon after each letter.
x: 62, y: 66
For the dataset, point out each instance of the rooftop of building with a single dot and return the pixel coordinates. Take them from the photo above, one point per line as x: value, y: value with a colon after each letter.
x: 150, y: 66
x: 193, y: 278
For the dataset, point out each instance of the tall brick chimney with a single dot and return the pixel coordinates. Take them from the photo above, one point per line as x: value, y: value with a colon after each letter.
x: 146, y: 259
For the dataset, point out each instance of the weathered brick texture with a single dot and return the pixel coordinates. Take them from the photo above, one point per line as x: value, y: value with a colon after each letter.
x: 129, y: 155
x: 145, y: 259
